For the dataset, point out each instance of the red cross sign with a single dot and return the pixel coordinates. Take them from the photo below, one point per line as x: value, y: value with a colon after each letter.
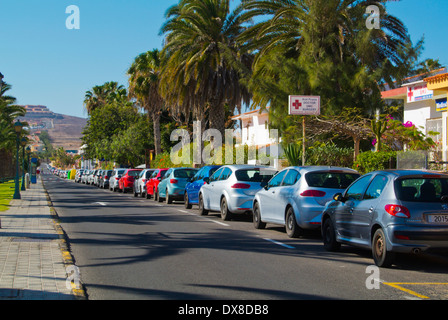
x: 304, y: 105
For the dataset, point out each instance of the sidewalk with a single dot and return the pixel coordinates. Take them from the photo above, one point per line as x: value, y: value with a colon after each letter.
x: 34, y: 260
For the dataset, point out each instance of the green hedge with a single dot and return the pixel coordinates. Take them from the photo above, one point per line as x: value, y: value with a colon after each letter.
x: 371, y: 161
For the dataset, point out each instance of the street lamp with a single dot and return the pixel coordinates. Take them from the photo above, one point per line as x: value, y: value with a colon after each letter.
x: 23, y: 142
x: 28, y: 152
x: 17, y: 129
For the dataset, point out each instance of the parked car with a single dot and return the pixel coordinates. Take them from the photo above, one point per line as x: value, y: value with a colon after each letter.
x: 231, y: 189
x: 126, y: 181
x: 191, y: 195
x: 152, y: 184
x: 78, y: 175
x: 84, y: 176
x: 296, y: 197
x: 113, y: 181
x: 103, y: 181
x: 91, y: 177
x: 172, y: 186
x: 388, y: 212
x: 140, y: 182
x: 96, y: 177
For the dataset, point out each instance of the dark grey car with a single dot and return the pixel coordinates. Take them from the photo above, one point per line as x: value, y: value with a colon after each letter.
x: 390, y: 211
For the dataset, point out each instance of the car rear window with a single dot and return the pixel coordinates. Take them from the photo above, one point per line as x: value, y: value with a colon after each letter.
x: 330, y: 179
x: 134, y: 173
x: 421, y: 189
x: 254, y: 175
x: 185, y: 173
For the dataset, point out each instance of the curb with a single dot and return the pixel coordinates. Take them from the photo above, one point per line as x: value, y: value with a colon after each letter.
x: 69, y: 261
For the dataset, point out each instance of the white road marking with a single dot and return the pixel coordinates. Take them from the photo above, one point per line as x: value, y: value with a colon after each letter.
x: 279, y: 243
x: 208, y: 219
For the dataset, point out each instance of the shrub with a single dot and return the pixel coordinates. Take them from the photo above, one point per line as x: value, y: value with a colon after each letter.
x: 372, y: 161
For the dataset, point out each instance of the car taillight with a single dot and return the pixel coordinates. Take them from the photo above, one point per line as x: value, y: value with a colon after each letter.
x: 313, y: 193
x: 106, y: 177
x: 116, y: 178
x: 173, y: 181
x: 240, y: 186
x: 144, y: 180
x: 397, y: 211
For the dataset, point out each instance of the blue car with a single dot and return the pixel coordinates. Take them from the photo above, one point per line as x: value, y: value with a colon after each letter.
x: 172, y: 186
x: 191, y: 195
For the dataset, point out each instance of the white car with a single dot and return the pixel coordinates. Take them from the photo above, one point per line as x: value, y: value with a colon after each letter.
x: 140, y: 182
x: 113, y: 181
x: 231, y: 189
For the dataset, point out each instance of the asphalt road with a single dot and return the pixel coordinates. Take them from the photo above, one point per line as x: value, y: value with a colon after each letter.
x: 132, y: 249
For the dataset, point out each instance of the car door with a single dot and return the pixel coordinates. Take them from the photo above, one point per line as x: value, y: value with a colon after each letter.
x: 269, y: 208
x: 195, y: 185
x: 364, y: 210
x: 218, y: 187
x: 344, y: 211
x: 163, y: 183
x: 208, y: 189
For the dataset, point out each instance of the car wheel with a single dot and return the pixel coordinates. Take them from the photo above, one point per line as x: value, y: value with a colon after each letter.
x: 148, y: 196
x: 258, y: 224
x: 156, y: 196
x: 226, y: 215
x: 381, y: 256
x: 329, y: 236
x: 135, y: 193
x: 292, y: 229
x: 187, y: 203
x: 202, y: 211
x: 168, y: 198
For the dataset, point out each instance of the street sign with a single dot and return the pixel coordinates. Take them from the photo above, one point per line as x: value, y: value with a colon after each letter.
x: 304, y: 105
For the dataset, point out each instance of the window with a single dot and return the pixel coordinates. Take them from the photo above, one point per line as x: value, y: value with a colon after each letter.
x: 330, y: 179
x: 254, y: 175
x: 421, y: 189
x: 216, y: 175
x: 277, y: 180
x: 225, y: 174
x: 356, y: 191
x: 376, y: 187
x: 291, y: 178
x: 185, y: 173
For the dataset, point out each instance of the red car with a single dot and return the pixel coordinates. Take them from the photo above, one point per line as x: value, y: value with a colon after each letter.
x: 153, y: 182
x: 126, y: 181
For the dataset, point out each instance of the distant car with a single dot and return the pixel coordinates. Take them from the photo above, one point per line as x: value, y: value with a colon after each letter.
x: 103, y: 181
x: 126, y: 181
x: 140, y: 182
x: 296, y: 197
x: 390, y: 211
x: 113, y: 180
x: 192, y: 188
x: 172, y: 186
x: 97, y: 177
x: 91, y: 177
x: 153, y: 182
x: 84, y: 176
x: 231, y: 189
x: 78, y: 175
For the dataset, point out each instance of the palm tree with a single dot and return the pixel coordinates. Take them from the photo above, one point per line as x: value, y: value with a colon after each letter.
x: 336, y: 55
x: 101, y: 95
x: 204, y: 65
x: 144, y: 78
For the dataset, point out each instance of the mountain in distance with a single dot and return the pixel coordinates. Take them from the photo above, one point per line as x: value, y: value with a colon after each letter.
x: 64, y: 131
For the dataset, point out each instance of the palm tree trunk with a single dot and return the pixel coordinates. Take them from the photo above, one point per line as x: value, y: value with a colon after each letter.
x: 157, y: 135
x: 217, y: 117
x: 6, y: 167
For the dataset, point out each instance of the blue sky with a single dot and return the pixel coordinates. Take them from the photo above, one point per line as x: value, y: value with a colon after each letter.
x: 48, y: 64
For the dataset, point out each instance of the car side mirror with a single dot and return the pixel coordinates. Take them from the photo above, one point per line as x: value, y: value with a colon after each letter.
x: 339, y: 197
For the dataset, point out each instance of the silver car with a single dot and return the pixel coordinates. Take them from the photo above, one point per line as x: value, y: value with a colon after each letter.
x: 113, y: 181
x: 296, y: 197
x: 231, y: 189
x: 140, y: 182
x: 388, y: 212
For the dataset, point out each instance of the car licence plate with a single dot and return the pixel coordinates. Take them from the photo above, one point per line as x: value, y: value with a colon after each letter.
x: 438, y: 218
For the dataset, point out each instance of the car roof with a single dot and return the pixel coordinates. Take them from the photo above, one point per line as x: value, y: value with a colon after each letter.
x: 322, y: 168
x: 411, y: 172
x: 248, y: 166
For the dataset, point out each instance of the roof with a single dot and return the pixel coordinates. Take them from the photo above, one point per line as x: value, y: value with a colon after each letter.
x: 250, y: 113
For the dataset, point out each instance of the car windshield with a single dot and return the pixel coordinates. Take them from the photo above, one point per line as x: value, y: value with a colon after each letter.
x: 421, y: 189
x: 134, y: 173
x: 330, y: 179
x: 254, y: 175
x: 185, y: 173
x: 120, y: 171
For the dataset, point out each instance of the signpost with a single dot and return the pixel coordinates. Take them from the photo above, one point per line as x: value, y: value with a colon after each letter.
x: 304, y: 106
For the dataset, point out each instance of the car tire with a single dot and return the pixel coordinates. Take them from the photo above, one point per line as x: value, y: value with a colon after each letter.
x: 186, y: 202
x: 202, y: 211
x: 258, y: 224
x: 381, y: 256
x: 135, y: 194
x: 226, y: 215
x: 148, y: 196
x: 156, y: 196
x: 329, y: 236
x: 292, y: 228
x: 168, y: 198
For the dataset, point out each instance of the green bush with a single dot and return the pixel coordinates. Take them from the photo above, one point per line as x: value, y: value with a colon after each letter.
x: 372, y: 161
x: 329, y: 154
